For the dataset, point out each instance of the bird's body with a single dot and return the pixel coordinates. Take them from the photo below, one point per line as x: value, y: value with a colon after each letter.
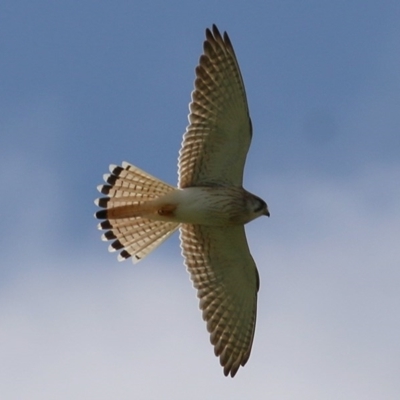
x: 197, y: 206
x: 209, y: 206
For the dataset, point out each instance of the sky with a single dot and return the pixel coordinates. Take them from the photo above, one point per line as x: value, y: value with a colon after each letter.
x: 85, y: 84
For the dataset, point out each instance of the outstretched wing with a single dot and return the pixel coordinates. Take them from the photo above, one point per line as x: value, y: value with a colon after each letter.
x: 218, y: 137
x: 226, y: 278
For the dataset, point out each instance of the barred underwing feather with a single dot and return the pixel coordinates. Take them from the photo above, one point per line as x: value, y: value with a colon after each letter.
x: 218, y: 137
x: 226, y: 278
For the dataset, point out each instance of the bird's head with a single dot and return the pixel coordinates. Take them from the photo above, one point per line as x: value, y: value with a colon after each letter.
x: 259, y: 207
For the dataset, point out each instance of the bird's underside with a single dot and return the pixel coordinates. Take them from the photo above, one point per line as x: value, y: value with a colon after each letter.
x: 210, y: 207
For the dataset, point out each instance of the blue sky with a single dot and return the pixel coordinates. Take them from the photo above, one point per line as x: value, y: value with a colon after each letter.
x: 85, y: 84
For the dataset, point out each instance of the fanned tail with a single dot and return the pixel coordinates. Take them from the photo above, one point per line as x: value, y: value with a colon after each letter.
x: 130, y: 188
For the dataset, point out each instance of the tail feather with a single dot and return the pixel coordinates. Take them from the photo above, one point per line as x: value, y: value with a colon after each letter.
x: 133, y: 183
x: 145, y: 238
x: 129, y: 188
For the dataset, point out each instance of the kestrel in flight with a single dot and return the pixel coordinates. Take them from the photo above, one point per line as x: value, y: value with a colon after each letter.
x: 209, y: 206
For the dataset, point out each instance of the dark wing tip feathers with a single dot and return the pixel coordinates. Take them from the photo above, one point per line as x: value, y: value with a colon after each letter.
x: 215, y: 32
x: 213, y: 36
x: 231, y: 371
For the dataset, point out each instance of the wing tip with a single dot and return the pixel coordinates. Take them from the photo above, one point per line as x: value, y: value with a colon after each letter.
x: 213, y: 35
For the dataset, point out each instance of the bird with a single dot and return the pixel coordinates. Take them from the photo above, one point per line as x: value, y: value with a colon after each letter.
x: 209, y: 206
